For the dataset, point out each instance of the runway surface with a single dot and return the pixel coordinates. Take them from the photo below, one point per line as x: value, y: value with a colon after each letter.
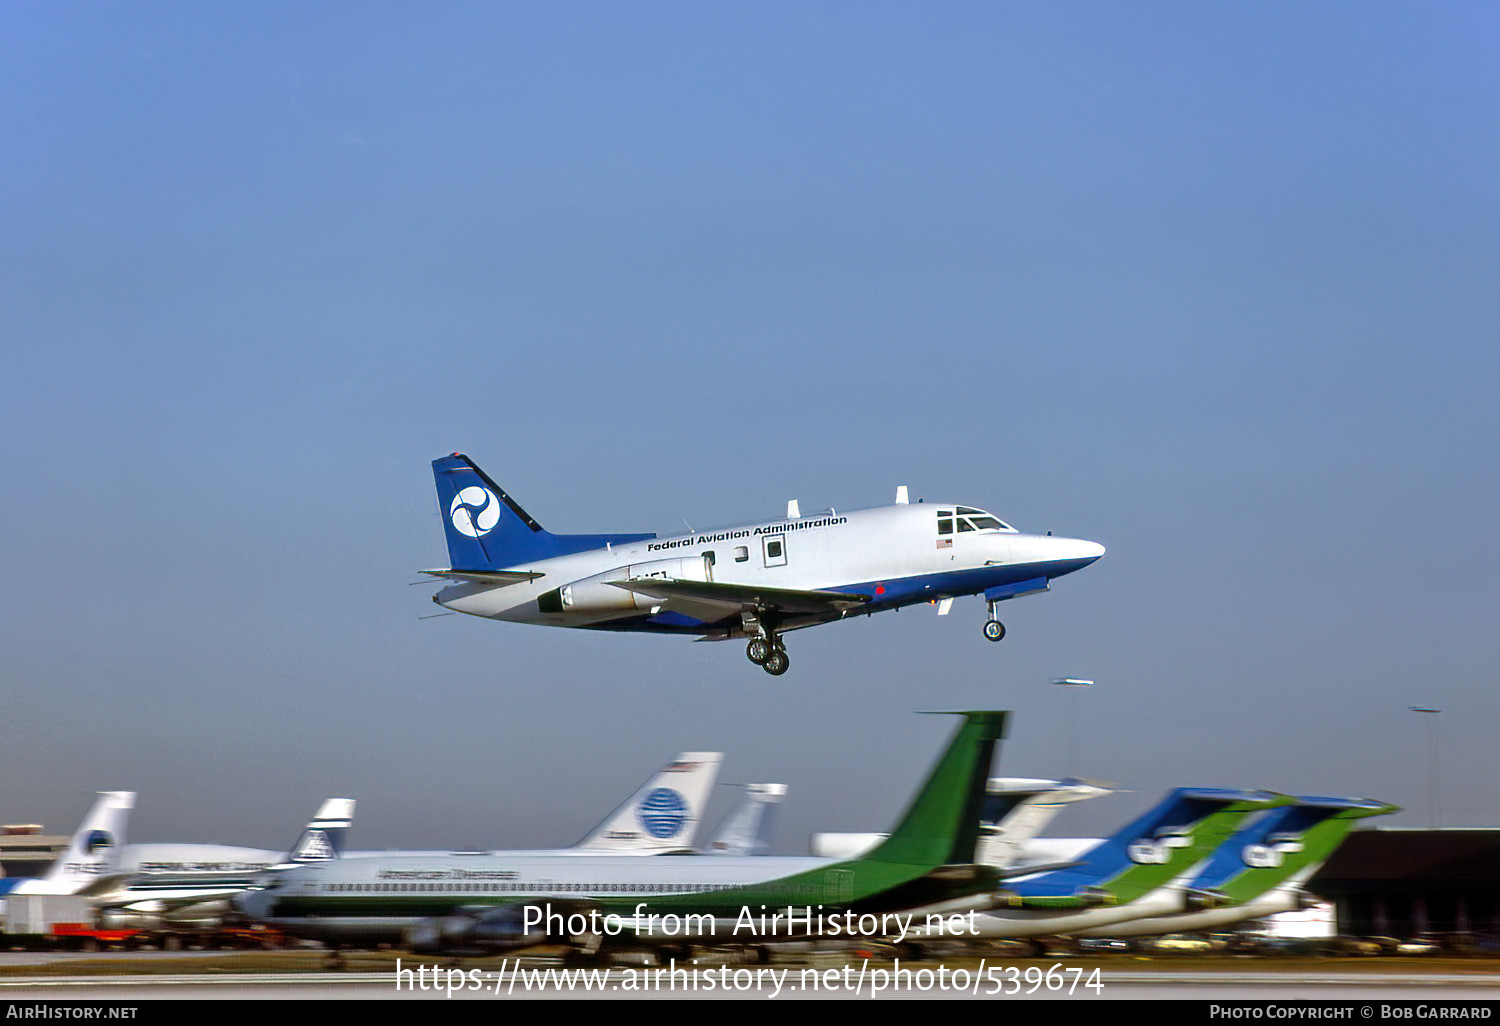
x: 213, y: 975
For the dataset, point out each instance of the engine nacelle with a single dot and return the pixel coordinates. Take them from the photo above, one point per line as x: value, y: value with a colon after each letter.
x: 597, y: 595
x: 1095, y: 897
x: 124, y: 919
x: 1197, y: 901
x: 481, y: 932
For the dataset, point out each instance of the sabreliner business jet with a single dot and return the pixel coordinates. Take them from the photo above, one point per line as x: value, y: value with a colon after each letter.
x: 483, y: 903
x: 754, y: 582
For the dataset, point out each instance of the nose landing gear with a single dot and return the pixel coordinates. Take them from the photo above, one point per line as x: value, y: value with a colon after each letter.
x: 993, y: 628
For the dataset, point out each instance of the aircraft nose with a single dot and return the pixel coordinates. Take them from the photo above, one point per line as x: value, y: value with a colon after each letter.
x: 1077, y: 548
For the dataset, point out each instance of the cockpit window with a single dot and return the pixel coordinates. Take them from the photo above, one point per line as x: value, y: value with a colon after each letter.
x: 965, y: 518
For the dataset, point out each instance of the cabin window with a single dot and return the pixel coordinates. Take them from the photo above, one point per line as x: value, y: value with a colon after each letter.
x: 741, y: 553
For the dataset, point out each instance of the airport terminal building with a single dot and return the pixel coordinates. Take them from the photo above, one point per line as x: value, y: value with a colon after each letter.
x: 1435, y: 884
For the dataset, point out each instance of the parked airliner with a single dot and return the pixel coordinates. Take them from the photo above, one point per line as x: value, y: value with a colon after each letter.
x: 482, y: 903
x: 754, y: 582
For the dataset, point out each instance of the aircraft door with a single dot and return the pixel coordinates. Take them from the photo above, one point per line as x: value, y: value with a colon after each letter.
x: 773, y: 548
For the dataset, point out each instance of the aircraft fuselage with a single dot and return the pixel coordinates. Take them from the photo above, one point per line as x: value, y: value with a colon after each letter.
x: 893, y: 556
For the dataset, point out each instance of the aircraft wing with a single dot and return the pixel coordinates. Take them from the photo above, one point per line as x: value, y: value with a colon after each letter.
x: 496, y: 578
x: 734, y: 597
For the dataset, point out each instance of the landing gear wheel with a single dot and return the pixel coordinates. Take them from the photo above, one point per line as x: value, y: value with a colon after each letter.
x: 776, y: 663
x: 758, y: 650
x: 994, y: 630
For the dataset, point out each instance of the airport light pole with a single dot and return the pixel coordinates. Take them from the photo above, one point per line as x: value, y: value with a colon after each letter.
x: 1432, y: 763
x: 1076, y: 685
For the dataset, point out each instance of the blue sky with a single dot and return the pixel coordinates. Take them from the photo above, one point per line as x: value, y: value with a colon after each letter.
x: 1210, y: 284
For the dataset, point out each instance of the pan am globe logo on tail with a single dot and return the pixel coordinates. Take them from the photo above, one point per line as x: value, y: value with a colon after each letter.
x: 465, y: 520
x: 663, y: 813
x: 98, y: 841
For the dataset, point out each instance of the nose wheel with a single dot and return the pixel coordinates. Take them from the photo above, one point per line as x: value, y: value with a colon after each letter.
x: 994, y: 629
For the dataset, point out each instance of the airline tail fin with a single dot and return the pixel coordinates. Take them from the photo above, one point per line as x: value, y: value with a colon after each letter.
x: 1014, y: 811
x: 488, y: 530
x: 941, y: 826
x: 664, y: 813
x: 323, y: 837
x: 1160, y: 846
x: 746, y: 830
x: 1017, y: 810
x: 1287, y: 842
x: 94, y: 851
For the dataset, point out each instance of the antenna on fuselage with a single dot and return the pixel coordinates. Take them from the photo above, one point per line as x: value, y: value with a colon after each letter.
x: 793, y: 510
x: 902, y: 498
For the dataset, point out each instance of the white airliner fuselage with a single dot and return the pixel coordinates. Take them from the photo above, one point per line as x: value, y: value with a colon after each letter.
x: 754, y: 582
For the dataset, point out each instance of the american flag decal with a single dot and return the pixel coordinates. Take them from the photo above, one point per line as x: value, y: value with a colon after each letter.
x: 945, y: 543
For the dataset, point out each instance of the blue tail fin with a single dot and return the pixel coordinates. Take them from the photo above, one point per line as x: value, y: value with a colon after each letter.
x: 1169, y: 839
x: 488, y: 530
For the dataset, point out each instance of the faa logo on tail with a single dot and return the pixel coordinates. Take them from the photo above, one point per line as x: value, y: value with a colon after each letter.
x: 474, y: 511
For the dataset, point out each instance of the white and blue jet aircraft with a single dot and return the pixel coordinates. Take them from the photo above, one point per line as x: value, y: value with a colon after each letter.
x: 754, y: 582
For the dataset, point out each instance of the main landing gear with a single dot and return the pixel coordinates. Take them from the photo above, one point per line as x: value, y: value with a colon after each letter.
x: 769, y: 654
x: 764, y: 648
x: 993, y: 628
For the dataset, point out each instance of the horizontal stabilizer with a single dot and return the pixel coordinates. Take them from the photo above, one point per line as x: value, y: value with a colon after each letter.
x: 1033, y: 868
x: 495, y: 578
x: 739, y: 596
